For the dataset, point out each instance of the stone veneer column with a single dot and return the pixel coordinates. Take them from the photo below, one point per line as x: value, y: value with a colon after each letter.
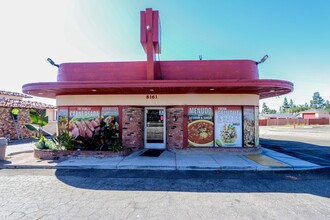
x: 174, y: 128
x: 133, y: 128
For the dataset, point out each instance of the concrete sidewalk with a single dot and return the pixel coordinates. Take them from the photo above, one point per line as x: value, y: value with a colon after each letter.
x: 21, y: 156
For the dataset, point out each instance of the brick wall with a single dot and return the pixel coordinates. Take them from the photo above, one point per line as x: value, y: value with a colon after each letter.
x: 133, y: 127
x: 7, y: 125
x: 174, y: 129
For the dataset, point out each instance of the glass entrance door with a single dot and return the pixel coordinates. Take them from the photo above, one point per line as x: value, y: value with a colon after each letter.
x: 155, y: 129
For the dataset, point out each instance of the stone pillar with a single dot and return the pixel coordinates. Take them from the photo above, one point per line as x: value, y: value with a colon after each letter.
x: 7, y: 126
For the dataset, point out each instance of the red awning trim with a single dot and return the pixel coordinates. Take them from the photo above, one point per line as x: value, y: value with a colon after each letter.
x: 265, y: 88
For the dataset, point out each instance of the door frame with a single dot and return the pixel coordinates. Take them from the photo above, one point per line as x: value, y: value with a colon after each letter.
x: 154, y: 145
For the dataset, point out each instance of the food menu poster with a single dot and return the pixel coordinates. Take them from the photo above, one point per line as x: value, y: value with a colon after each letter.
x: 110, y: 115
x: 63, y: 119
x: 249, y: 126
x: 228, y: 127
x: 83, y: 121
x: 256, y: 111
x: 200, y: 127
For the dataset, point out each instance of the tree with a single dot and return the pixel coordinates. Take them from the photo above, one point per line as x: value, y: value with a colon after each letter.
x: 291, y: 104
x: 327, y: 104
x: 266, y: 110
x: 272, y: 111
x: 317, y: 101
x: 285, y: 105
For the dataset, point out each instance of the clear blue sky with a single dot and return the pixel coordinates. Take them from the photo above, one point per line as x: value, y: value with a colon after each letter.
x: 294, y: 33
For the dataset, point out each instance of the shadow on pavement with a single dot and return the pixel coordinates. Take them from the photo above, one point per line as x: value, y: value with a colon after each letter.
x: 23, y: 141
x: 309, y: 152
x: 314, y: 182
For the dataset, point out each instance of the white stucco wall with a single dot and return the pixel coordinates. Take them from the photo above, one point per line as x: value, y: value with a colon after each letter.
x: 158, y: 99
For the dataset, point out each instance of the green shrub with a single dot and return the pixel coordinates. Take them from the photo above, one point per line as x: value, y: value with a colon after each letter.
x: 64, y: 141
x: 37, y: 122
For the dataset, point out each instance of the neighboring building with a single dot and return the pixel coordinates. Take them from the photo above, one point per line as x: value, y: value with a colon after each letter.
x: 174, y: 105
x: 314, y: 114
x: 278, y: 116
x: 16, y: 129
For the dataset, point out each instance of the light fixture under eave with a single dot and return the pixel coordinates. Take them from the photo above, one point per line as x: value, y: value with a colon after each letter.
x: 212, y: 89
x: 151, y: 90
x: 93, y: 90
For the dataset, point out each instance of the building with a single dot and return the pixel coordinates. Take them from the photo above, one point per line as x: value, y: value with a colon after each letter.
x: 174, y: 105
x: 278, y: 116
x: 16, y: 129
x: 314, y: 114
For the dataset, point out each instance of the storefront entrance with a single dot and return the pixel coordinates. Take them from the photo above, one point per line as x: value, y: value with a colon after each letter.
x: 155, y: 128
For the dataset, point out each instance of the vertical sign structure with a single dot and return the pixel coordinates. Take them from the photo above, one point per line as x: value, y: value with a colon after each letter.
x: 63, y: 119
x: 249, y: 127
x: 228, y: 127
x: 256, y: 111
x: 83, y: 121
x: 200, y: 127
x: 150, y: 38
x: 110, y: 116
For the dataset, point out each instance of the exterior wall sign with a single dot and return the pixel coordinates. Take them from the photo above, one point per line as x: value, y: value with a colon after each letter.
x: 228, y: 127
x: 83, y: 121
x: 249, y: 126
x: 63, y: 119
x: 256, y: 111
x: 110, y: 115
x: 151, y: 97
x: 200, y: 127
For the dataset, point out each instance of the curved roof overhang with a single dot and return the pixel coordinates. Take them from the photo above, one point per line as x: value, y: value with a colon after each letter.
x: 265, y: 88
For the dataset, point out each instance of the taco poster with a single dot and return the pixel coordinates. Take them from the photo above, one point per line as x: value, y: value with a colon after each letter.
x: 110, y: 115
x: 228, y: 127
x: 83, y: 121
x: 63, y: 119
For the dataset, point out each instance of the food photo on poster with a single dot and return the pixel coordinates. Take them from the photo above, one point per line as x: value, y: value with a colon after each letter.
x: 200, y: 127
x: 83, y: 121
x: 228, y: 127
x: 249, y: 126
x: 256, y: 112
x: 110, y: 115
x: 63, y: 119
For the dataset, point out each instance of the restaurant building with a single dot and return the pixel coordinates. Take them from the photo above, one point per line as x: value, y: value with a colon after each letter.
x: 209, y: 105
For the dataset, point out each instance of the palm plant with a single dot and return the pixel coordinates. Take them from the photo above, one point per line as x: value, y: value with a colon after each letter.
x: 37, y: 122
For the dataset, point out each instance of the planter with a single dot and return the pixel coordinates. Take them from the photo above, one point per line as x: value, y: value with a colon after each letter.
x: 60, y: 154
x: 3, y: 147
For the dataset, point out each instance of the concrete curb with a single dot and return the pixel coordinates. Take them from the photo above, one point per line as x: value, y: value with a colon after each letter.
x: 181, y: 168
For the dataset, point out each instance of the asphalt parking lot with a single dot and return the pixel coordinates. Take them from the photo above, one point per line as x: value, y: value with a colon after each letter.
x: 310, y: 143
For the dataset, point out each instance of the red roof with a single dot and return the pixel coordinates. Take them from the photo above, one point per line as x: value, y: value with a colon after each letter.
x: 171, y: 77
x: 17, y: 94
